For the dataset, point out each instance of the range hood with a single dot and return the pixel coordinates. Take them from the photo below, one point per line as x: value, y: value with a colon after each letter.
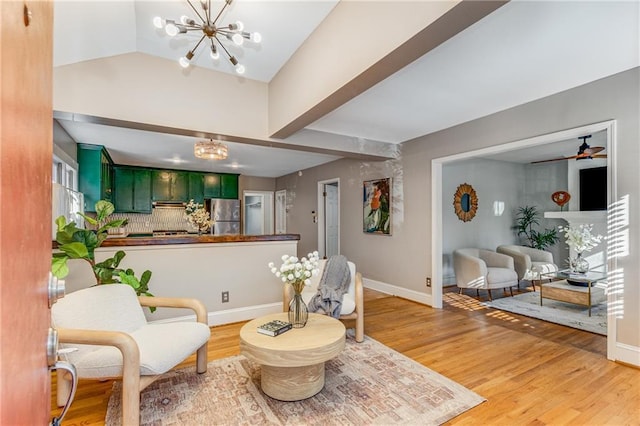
x: 169, y: 204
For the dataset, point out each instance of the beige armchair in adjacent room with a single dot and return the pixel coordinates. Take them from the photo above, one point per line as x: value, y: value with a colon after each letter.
x: 483, y: 269
x: 106, y: 326
x: 352, y: 308
x: 529, y: 263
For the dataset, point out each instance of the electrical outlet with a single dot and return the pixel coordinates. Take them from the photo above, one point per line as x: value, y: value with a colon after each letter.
x: 225, y: 296
x: 428, y: 282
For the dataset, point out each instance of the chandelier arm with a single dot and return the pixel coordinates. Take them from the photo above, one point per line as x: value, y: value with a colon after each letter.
x: 196, y: 11
x: 220, y: 13
x: 198, y: 44
x: 223, y: 48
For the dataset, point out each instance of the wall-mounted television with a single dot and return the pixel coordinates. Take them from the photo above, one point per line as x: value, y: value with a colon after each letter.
x: 593, y: 189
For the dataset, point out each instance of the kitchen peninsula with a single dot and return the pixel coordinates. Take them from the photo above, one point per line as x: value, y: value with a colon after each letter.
x: 203, y: 267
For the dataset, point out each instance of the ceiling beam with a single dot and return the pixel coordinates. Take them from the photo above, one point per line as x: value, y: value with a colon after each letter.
x: 84, y: 118
x: 452, y: 22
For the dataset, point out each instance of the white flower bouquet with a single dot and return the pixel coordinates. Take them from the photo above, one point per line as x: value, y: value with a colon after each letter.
x: 297, y: 272
x: 197, y: 216
x: 580, y: 238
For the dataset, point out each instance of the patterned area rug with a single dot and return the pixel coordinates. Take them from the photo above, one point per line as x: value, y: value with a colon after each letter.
x: 368, y: 383
x: 569, y: 314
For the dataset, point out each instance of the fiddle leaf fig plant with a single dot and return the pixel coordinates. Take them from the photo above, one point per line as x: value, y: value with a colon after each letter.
x: 80, y: 243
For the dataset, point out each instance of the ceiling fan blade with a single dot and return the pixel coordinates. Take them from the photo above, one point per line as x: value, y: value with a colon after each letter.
x: 593, y: 150
x: 554, y: 159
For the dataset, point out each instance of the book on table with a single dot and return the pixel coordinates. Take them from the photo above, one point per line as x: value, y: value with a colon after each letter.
x: 274, y: 328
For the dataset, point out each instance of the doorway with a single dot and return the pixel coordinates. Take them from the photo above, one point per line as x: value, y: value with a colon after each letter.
x: 437, y: 203
x: 329, y: 217
x: 281, y: 211
x: 258, y: 212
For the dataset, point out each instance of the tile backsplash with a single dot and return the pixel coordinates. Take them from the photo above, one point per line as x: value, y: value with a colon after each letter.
x: 161, y: 218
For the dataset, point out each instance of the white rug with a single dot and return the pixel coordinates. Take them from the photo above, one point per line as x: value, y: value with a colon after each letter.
x: 568, y: 314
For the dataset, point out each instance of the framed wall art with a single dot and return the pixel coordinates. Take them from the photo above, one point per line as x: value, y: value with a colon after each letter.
x: 465, y: 202
x: 376, y: 206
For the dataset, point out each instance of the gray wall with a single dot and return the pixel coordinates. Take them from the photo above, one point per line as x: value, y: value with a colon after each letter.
x: 404, y: 259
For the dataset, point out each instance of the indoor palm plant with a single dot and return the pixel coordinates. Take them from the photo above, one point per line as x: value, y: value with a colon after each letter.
x: 80, y: 243
x: 526, y: 219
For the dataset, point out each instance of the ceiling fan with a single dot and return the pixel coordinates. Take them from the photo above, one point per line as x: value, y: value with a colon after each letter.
x: 584, y: 152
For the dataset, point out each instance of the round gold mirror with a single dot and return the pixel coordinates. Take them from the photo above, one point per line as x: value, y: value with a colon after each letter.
x: 465, y: 202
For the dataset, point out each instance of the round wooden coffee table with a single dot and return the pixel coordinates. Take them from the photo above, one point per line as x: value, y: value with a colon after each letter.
x: 292, y: 363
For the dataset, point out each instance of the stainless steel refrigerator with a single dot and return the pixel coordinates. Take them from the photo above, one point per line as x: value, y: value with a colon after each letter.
x: 226, y: 214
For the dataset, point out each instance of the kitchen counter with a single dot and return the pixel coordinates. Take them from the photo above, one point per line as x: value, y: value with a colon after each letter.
x: 147, y: 240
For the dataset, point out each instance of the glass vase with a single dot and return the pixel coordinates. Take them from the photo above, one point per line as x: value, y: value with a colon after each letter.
x: 580, y: 265
x: 298, y: 312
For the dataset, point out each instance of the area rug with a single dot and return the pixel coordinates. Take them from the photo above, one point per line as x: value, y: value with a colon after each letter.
x: 569, y: 314
x: 367, y: 384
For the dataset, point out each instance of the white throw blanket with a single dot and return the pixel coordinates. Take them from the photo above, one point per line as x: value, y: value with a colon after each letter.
x: 332, y: 287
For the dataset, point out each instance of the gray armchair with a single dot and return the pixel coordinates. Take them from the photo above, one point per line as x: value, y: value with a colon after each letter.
x: 529, y: 263
x: 483, y: 269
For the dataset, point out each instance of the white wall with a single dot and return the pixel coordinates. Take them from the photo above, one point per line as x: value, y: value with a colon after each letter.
x: 498, y: 185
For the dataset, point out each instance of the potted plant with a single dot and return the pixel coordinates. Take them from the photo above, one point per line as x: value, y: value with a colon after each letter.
x: 526, y: 219
x: 79, y: 243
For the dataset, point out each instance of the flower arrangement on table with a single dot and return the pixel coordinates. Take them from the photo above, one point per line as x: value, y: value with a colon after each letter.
x: 297, y: 272
x: 197, y: 216
x: 580, y: 239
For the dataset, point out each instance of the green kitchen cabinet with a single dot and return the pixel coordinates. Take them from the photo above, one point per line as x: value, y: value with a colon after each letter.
x: 169, y: 185
x: 132, y: 190
x: 95, y: 175
x: 211, y: 185
x: 196, y: 187
x: 229, y: 186
x: 220, y: 185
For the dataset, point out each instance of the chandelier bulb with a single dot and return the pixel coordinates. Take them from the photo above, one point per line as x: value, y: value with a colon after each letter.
x: 214, y: 53
x: 255, y: 37
x: 184, y: 19
x: 184, y: 62
x: 171, y: 29
x: 240, y: 69
x: 239, y: 26
x: 237, y: 39
x: 157, y: 22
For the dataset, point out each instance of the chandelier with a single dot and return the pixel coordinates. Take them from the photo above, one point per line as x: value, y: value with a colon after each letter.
x: 215, y: 34
x: 210, y: 150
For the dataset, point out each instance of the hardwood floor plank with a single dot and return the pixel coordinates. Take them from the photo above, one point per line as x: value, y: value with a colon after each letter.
x: 531, y: 372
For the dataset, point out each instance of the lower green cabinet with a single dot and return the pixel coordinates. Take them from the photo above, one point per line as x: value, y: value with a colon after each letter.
x: 132, y: 190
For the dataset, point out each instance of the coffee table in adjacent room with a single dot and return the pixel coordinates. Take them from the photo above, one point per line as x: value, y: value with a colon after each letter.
x: 292, y: 363
x: 571, y: 288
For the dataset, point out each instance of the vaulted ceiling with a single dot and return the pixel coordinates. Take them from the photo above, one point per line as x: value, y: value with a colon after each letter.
x: 518, y: 53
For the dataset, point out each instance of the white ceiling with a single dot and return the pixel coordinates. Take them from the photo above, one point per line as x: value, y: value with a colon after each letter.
x: 523, y: 51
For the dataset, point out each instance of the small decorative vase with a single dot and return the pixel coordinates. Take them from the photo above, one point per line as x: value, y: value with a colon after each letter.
x: 580, y: 264
x: 298, y: 312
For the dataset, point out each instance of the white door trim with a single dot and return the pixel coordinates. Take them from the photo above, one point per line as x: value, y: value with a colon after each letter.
x: 436, y: 200
x: 321, y: 215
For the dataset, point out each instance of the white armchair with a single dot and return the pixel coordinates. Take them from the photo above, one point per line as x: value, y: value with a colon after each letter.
x: 529, y: 263
x: 483, y: 269
x: 113, y: 339
x: 352, y: 308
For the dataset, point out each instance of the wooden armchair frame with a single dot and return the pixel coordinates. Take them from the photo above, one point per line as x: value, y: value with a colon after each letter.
x: 132, y: 382
x: 357, y: 314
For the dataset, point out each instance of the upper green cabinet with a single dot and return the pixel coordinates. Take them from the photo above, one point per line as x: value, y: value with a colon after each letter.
x: 169, y: 185
x: 95, y: 175
x: 196, y: 187
x: 132, y: 190
x: 229, y: 186
x: 220, y: 185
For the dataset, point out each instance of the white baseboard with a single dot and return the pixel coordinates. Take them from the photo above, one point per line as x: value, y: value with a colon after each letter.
x: 627, y: 354
x: 230, y: 315
x: 393, y: 290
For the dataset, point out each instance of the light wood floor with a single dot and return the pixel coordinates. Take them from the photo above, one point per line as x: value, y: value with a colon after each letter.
x: 531, y: 372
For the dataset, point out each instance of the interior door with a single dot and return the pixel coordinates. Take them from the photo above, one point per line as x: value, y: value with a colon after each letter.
x: 332, y: 220
x: 281, y: 211
x: 26, y: 145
